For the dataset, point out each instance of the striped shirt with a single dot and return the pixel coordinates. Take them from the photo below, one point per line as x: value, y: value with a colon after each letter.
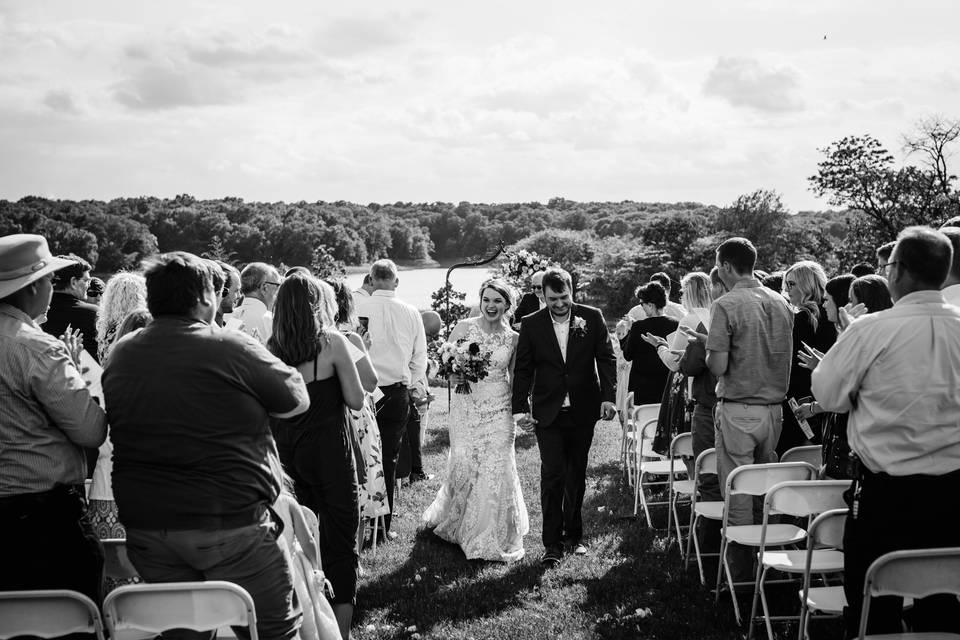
x: 46, y: 412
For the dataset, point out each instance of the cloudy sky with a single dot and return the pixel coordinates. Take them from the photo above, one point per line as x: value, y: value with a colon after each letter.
x: 494, y: 101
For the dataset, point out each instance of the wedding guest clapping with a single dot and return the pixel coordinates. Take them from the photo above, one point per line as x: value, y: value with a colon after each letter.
x: 317, y: 447
x: 648, y: 375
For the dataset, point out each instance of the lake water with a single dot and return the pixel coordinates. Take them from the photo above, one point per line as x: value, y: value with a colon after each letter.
x: 416, y: 285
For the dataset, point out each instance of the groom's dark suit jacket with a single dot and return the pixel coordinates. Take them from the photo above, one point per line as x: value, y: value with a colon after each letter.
x: 588, y: 375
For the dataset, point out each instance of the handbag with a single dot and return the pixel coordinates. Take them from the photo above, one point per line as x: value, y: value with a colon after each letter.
x: 837, y: 458
x: 675, y: 414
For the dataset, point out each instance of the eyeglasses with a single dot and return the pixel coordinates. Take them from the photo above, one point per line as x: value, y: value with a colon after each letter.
x: 276, y: 284
x: 790, y: 284
x: 537, y: 287
x: 886, y: 267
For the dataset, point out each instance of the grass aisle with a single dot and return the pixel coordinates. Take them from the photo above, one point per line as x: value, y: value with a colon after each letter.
x: 629, y: 586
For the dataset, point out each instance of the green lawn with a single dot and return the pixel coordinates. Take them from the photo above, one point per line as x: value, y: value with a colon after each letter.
x: 631, y: 585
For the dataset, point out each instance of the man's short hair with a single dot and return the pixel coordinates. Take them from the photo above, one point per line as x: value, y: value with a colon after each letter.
x: 953, y: 235
x: 926, y: 254
x: 176, y: 282
x: 218, y: 276
x: 253, y: 276
x: 740, y: 253
x: 383, y: 270
x: 62, y: 277
x: 864, y: 269
x: 366, y: 279
x: 884, y: 250
x: 663, y: 279
x: 228, y: 269
x: 557, y: 279
x: 96, y: 287
x: 773, y: 281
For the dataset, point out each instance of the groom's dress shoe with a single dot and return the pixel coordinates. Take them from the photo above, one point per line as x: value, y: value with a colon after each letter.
x: 551, y: 558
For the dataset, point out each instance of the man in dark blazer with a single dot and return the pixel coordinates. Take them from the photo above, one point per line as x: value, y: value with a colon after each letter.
x: 565, y: 356
x: 532, y: 301
x: 69, y: 308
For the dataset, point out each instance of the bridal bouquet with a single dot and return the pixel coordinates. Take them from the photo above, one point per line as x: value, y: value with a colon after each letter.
x: 464, y: 359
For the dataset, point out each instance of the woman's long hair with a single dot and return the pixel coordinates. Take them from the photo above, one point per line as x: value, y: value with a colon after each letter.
x: 872, y: 291
x: 697, y: 290
x: 346, y: 314
x: 302, y: 314
x: 125, y: 292
x: 811, y: 279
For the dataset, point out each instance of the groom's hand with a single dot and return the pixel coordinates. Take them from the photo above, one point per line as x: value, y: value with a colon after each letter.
x: 525, y: 421
x: 608, y: 411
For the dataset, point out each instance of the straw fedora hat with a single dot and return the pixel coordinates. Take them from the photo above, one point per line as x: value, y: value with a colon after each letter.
x: 25, y: 258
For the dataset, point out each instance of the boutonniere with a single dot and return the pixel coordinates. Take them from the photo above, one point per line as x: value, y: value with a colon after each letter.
x: 578, y: 327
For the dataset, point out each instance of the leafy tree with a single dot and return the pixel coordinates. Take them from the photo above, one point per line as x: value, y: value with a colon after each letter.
x: 325, y: 266
x: 456, y: 310
x: 757, y: 216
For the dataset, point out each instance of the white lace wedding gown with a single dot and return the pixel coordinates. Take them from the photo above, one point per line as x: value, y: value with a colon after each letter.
x: 480, y: 505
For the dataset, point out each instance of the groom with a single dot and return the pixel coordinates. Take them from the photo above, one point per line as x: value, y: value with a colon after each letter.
x: 562, y: 349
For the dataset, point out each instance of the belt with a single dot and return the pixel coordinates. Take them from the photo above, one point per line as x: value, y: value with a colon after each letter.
x: 749, y: 404
x: 392, y: 386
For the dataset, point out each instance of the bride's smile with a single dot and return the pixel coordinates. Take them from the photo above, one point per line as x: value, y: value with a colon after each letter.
x: 492, y: 306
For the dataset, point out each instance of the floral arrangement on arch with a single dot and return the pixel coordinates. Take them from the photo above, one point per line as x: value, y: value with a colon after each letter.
x: 520, y: 265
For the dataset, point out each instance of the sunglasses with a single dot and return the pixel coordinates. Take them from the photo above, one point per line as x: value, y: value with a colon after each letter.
x: 538, y: 287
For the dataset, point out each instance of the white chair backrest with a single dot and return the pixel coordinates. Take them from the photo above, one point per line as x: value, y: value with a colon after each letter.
x: 648, y: 431
x: 682, y: 445
x: 826, y: 530
x: 643, y: 413
x: 916, y: 573
x: 756, y: 479
x: 48, y: 614
x: 116, y: 564
x: 706, y: 462
x: 807, y: 453
x: 805, y: 497
x: 201, y: 606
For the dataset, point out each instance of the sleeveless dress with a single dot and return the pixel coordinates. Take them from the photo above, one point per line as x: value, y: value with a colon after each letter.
x: 316, y: 450
x: 480, y: 505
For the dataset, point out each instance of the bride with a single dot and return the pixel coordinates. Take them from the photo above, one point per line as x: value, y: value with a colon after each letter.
x: 480, y: 506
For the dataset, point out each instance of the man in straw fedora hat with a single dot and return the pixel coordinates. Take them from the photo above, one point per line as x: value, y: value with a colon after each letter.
x: 47, y: 416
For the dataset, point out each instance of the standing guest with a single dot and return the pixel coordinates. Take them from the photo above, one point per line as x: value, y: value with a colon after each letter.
x: 872, y: 292
x: 398, y: 349
x: 532, y: 301
x: 648, y: 375
x: 883, y: 256
x: 804, y: 284
x: 95, y: 290
x: 69, y: 308
x: 231, y: 292
x: 836, y: 296
x: 773, y: 281
x: 124, y: 292
x: 862, y: 269
x: 316, y: 447
x: 258, y: 284
x: 951, y: 286
x: 896, y: 373
x: 749, y: 349
x: 195, y: 467
x: 47, y: 416
x: 670, y: 309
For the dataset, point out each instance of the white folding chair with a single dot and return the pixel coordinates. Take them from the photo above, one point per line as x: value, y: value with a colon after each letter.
x: 702, y: 509
x: 755, y: 480
x: 681, y: 448
x: 200, y: 606
x: 800, y: 499
x: 650, y: 463
x: 639, y: 415
x: 811, y: 453
x: 825, y: 532
x: 915, y: 573
x: 48, y: 614
x: 116, y: 564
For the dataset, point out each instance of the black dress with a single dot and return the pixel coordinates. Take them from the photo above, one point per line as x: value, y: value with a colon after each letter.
x: 648, y: 374
x: 316, y: 450
x: 821, y: 338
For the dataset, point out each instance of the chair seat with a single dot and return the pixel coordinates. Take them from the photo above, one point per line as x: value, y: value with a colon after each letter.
x: 823, y: 560
x: 683, y: 486
x: 662, y: 467
x: 777, y: 534
x: 709, y: 510
x: 825, y: 599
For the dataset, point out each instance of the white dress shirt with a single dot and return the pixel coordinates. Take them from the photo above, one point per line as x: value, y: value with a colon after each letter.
x: 256, y: 320
x: 562, y: 330
x: 398, y: 344
x: 897, y: 372
x: 952, y: 294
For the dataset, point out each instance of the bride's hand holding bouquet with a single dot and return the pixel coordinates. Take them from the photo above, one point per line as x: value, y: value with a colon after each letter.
x: 463, y: 362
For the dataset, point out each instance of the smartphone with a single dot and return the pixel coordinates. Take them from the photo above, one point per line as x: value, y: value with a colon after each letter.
x: 364, y: 326
x: 804, y: 425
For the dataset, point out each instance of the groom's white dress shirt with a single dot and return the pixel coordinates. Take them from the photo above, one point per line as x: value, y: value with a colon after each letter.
x: 562, y: 329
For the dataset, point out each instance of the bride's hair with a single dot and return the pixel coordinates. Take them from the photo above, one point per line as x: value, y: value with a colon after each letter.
x: 500, y: 286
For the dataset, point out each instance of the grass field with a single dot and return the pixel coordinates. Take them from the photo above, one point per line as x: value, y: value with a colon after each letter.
x: 631, y: 585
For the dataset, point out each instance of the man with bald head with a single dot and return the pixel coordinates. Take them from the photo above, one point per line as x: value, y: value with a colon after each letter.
x: 258, y: 284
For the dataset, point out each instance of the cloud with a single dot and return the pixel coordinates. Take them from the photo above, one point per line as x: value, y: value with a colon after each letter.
x: 61, y: 101
x: 167, y: 87
x: 744, y: 82
x: 348, y: 37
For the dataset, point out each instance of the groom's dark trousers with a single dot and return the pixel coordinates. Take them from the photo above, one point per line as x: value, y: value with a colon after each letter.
x: 564, y: 447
